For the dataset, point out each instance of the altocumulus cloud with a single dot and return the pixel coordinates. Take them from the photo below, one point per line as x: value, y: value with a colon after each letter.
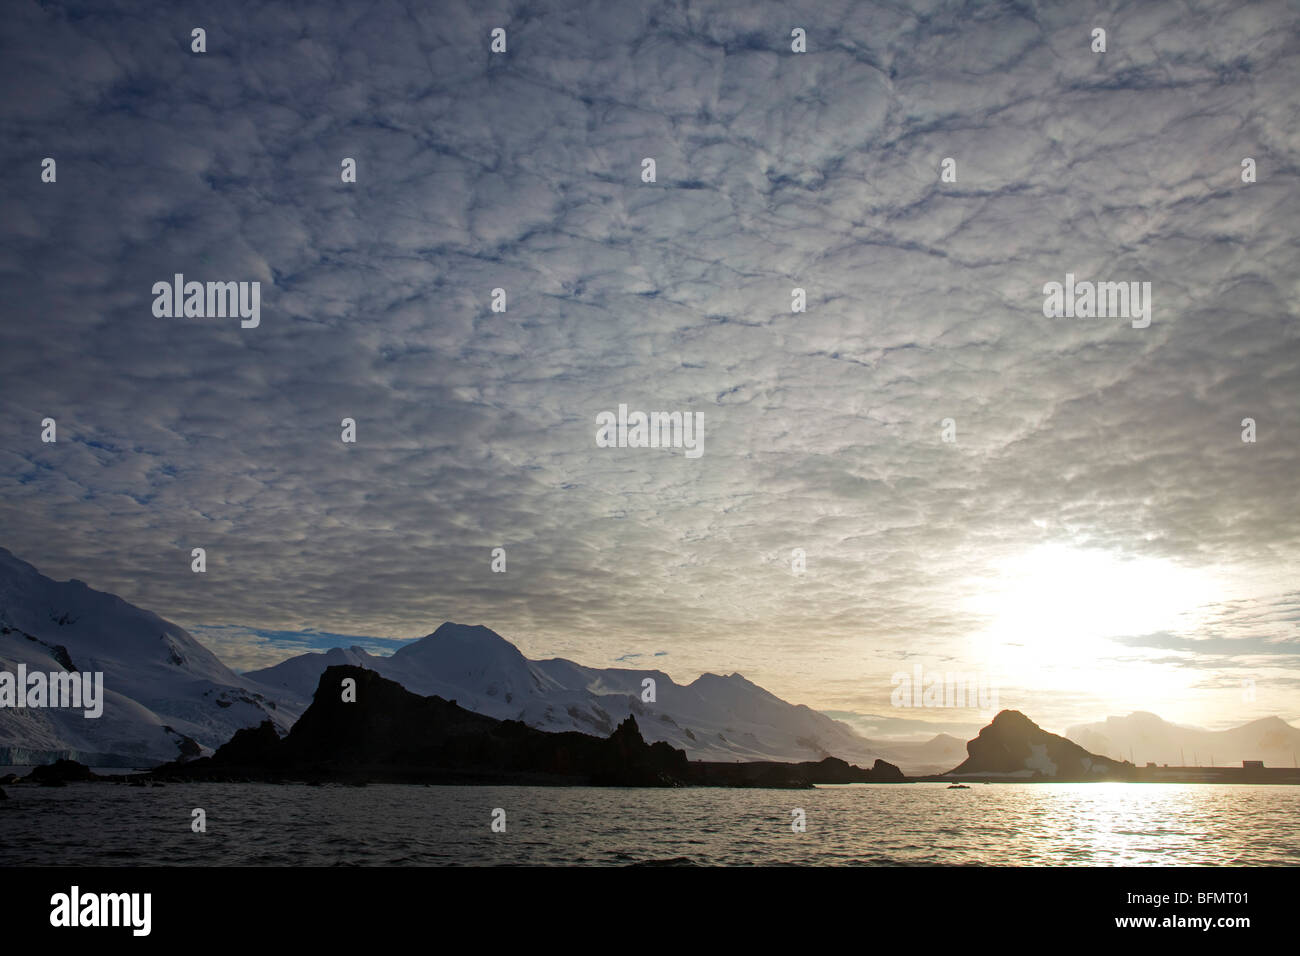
x: 775, y: 170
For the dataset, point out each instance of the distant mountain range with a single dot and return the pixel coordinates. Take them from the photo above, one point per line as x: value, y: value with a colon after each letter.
x: 168, y: 696
x: 711, y: 718
x: 1145, y: 738
x: 1013, y: 748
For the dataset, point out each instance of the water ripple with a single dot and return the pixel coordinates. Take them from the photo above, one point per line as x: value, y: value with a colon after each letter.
x: 917, y: 824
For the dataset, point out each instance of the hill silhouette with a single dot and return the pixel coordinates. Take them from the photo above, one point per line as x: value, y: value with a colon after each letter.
x: 387, y: 733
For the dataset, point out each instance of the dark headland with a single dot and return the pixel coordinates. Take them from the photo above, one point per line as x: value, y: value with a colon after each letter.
x: 388, y: 734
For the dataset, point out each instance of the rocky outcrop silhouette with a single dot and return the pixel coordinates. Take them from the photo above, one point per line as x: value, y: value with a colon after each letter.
x: 386, y: 733
x: 251, y: 746
x: 389, y: 734
x: 1015, y: 747
x: 60, y: 773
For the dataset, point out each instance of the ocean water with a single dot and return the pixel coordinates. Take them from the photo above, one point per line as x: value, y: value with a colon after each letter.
x: 925, y: 823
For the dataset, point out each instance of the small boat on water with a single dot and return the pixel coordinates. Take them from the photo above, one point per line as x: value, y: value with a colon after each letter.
x: 958, y: 786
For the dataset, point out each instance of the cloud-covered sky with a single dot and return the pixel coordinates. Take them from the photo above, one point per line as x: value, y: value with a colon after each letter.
x: 1098, y: 538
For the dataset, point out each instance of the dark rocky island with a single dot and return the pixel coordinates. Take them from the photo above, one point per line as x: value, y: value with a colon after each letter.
x: 1013, y: 747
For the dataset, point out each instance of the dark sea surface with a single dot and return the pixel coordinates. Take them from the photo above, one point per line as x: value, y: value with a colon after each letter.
x: 380, y: 825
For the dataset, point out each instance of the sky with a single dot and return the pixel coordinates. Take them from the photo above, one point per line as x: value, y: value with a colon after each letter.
x: 1095, y: 537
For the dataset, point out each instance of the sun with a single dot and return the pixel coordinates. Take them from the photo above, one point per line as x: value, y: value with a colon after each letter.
x: 1058, y: 606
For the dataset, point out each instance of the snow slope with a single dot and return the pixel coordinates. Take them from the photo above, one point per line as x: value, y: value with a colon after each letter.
x: 164, y: 692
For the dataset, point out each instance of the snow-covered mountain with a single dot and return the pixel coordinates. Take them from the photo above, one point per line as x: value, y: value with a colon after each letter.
x: 711, y: 718
x: 165, y: 694
x: 1150, y: 739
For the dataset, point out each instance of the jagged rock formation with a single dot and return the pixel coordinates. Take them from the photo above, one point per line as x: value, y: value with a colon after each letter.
x: 713, y: 718
x: 389, y: 734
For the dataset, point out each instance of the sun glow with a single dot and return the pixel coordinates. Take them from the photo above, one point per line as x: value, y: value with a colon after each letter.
x: 1061, y: 607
